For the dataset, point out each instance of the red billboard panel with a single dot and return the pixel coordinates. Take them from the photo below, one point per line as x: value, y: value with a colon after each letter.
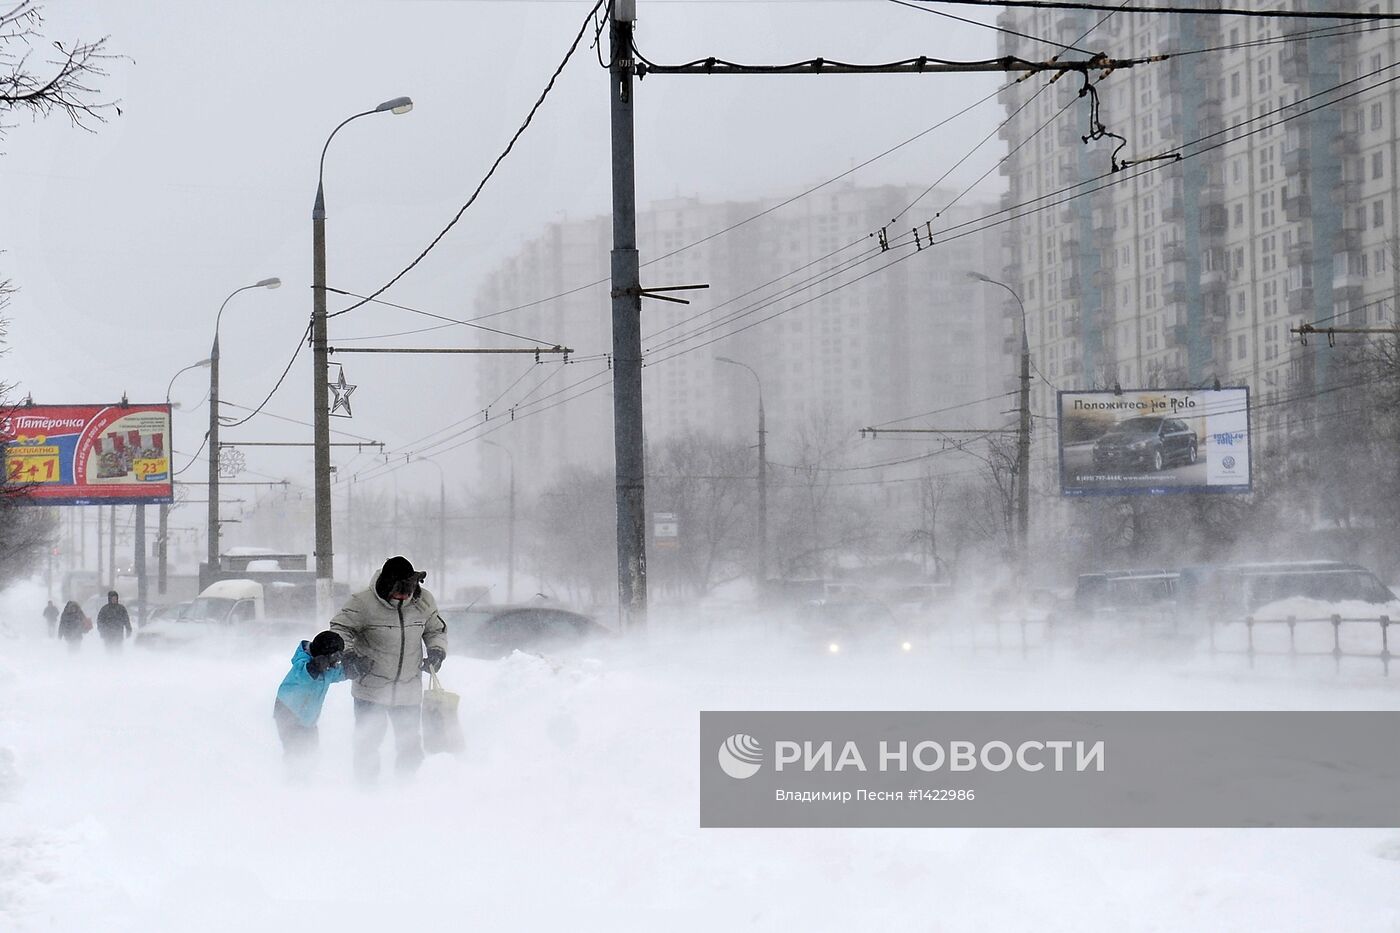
x: 88, y: 454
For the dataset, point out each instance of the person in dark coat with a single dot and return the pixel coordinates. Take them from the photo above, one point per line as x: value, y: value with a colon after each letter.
x: 113, y: 622
x: 51, y: 617
x: 72, y: 625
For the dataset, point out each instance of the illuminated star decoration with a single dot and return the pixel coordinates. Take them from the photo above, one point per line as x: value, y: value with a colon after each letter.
x: 342, y: 392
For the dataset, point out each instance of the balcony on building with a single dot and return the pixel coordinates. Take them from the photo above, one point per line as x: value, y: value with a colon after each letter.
x: 1300, y: 251
x: 1347, y: 292
x: 1345, y: 144
x: 1070, y: 288
x: 1174, y: 210
x: 1169, y: 126
x: 1212, y: 279
x: 1296, y: 160
x: 1346, y: 193
x: 1214, y: 218
x: 1347, y: 240
x: 1293, y: 62
x: 1174, y: 291
x: 1104, y: 277
x: 1175, y: 335
x: 1297, y: 205
x: 1210, y: 118
x: 1212, y: 194
x: 1173, y: 252
x: 1300, y: 300
x: 1067, y: 213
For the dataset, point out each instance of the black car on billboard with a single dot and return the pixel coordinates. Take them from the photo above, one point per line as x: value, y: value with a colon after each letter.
x: 1146, y: 443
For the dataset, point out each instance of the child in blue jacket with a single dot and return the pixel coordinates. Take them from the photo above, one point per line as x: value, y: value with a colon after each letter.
x: 315, y: 666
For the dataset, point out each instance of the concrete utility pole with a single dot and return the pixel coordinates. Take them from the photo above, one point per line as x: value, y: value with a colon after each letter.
x: 320, y: 375
x: 628, y: 440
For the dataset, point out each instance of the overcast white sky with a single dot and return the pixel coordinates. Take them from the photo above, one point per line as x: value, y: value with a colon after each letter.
x: 124, y: 242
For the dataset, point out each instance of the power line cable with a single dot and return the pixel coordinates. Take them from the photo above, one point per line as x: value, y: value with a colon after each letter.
x: 440, y: 317
x: 972, y: 22
x: 529, y: 117
x: 280, y: 379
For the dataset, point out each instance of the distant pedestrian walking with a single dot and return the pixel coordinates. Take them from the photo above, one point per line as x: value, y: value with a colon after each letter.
x: 51, y: 617
x: 113, y: 623
x: 73, y: 624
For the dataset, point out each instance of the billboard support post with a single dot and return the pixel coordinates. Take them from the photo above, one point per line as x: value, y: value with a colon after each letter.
x: 140, y: 568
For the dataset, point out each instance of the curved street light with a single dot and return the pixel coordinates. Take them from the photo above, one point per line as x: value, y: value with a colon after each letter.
x: 1023, y: 435
x: 208, y: 361
x: 762, y: 474
x: 321, y: 421
x: 212, y: 552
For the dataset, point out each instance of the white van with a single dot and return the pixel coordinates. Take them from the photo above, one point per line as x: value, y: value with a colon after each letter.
x: 229, y: 602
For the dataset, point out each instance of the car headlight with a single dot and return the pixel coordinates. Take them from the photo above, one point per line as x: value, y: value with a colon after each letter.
x: 1140, y: 445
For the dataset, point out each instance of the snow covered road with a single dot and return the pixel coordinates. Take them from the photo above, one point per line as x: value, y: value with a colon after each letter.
x: 145, y: 793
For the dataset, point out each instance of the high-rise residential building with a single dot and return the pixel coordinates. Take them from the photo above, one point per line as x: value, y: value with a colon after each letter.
x: 1165, y: 272
x: 840, y: 334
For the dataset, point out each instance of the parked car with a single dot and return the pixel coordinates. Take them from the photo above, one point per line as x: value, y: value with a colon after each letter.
x: 1238, y: 589
x: 173, y: 612
x: 1146, y: 443
x: 1125, y: 590
x: 491, y: 632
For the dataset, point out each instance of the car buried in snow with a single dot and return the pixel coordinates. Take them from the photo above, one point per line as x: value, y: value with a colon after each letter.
x: 841, y: 627
x: 492, y: 632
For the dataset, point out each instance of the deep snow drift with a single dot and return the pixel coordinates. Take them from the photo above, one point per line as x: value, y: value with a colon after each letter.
x: 144, y: 793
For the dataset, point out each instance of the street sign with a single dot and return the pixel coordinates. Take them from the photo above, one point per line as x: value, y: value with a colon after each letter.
x: 666, y: 530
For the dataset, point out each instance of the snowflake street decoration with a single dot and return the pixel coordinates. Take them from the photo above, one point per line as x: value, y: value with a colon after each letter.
x: 342, y: 391
x: 231, y: 462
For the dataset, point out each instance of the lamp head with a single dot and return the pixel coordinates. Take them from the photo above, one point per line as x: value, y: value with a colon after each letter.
x: 273, y: 282
x: 979, y: 277
x: 397, y: 105
x: 724, y: 359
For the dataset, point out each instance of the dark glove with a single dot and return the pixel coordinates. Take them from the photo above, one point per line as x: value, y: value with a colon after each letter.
x: 433, y: 662
x: 355, y: 666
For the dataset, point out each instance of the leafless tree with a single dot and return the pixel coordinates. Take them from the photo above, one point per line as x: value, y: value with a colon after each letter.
x: 43, y: 77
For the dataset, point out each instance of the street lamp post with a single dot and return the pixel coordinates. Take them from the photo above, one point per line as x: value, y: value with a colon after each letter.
x: 161, y: 546
x: 213, y: 439
x: 1023, y: 435
x: 320, y: 378
x: 762, y: 475
x: 510, y: 525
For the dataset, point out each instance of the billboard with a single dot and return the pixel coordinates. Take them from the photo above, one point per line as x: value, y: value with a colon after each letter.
x: 88, y: 454
x: 1137, y: 442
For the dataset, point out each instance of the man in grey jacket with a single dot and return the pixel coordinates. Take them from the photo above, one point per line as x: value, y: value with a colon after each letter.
x: 386, y: 629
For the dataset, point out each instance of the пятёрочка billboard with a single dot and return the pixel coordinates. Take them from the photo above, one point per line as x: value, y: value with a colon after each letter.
x: 88, y: 454
x: 1154, y: 441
